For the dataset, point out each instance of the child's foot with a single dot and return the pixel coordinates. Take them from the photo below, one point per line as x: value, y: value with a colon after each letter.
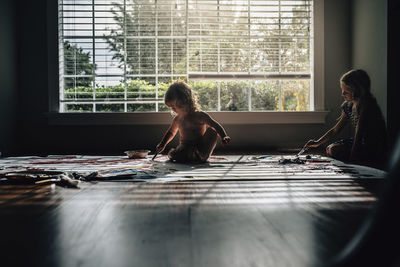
x: 201, y: 157
x: 177, y: 156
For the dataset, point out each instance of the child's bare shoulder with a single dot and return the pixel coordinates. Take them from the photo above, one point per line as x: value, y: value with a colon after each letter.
x: 202, y: 115
x: 176, y: 119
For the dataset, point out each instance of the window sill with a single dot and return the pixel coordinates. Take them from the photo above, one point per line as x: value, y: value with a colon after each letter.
x: 164, y: 118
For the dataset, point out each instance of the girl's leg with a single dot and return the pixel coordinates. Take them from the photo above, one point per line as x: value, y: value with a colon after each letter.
x: 207, y: 144
x: 339, y: 151
x: 180, y: 154
x: 171, y: 154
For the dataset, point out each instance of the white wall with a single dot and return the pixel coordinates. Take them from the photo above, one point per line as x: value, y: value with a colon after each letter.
x: 369, y: 44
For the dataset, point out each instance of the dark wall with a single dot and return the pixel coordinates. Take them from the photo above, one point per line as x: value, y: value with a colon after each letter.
x: 393, y: 94
x: 8, y: 82
x: 32, y: 75
x: 36, y: 136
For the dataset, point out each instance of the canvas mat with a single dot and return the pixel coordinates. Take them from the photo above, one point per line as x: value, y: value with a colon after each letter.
x: 232, y: 167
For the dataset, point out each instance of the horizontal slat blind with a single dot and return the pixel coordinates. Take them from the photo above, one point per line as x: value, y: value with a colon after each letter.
x: 249, y: 36
x: 112, y: 52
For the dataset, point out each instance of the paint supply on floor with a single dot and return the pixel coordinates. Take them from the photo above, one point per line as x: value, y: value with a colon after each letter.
x: 137, y: 154
x: 31, y: 170
x: 292, y: 161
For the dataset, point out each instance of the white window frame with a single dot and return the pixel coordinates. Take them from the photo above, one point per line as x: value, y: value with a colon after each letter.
x: 317, y: 113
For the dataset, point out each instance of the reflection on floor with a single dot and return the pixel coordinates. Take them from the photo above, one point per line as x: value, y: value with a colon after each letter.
x: 233, y: 211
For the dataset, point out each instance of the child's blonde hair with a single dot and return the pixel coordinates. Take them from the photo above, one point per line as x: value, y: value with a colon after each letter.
x: 182, y: 95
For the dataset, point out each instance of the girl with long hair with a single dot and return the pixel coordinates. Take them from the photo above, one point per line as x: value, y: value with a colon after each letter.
x: 368, y: 145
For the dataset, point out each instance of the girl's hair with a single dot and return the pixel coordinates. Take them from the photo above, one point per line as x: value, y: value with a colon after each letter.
x: 360, y: 83
x: 182, y: 95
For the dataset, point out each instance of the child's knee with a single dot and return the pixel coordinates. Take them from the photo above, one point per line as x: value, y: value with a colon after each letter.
x: 177, y: 155
x: 328, y: 150
x: 210, y: 134
x: 174, y: 154
x: 171, y: 153
x: 338, y: 151
x: 333, y: 150
x: 202, y: 156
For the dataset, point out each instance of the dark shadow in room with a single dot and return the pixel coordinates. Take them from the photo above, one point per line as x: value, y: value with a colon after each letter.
x: 376, y: 242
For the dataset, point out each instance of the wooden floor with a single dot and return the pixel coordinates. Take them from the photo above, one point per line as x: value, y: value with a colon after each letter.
x: 208, y: 223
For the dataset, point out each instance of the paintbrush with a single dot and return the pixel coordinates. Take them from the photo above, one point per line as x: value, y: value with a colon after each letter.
x: 155, y: 155
x: 302, y: 151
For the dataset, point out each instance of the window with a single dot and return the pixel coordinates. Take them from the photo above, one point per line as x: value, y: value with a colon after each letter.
x: 121, y: 55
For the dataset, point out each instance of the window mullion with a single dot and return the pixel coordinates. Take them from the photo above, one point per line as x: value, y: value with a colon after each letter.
x: 171, y: 41
x: 94, y: 54
x: 61, y: 52
x: 249, y: 53
x: 125, y: 60
x: 219, y: 55
x: 219, y: 37
x: 280, y: 58
x: 187, y: 39
x: 156, y: 47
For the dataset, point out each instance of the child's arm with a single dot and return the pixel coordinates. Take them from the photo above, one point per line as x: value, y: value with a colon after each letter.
x: 217, y: 127
x: 168, y: 136
x: 329, y: 134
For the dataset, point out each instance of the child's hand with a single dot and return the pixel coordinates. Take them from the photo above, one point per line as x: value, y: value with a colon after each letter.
x: 226, y: 140
x: 160, y: 148
x: 312, y: 143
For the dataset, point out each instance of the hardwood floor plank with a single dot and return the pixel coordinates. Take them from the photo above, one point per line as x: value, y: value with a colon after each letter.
x: 299, y: 223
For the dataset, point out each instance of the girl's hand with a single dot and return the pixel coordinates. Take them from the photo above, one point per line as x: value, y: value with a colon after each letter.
x: 312, y: 143
x: 160, y: 148
x: 226, y: 140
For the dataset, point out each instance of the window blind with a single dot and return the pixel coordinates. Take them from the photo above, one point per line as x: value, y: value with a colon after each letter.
x: 122, y: 55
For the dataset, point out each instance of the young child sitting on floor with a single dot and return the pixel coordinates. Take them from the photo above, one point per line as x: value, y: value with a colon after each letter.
x: 368, y: 145
x: 197, y: 130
